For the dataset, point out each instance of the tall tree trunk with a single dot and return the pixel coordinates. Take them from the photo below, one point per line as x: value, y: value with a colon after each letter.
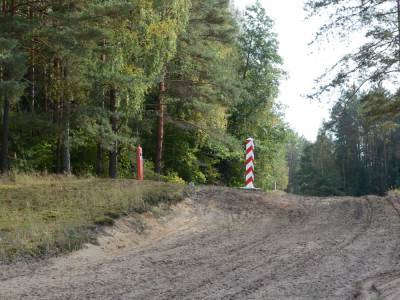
x: 46, y: 89
x: 113, y: 155
x: 160, y: 129
x: 4, y: 138
x: 100, y: 151
x: 4, y: 163
x: 58, y: 157
x: 57, y: 108
x: 65, y: 141
x: 63, y: 120
x: 31, y: 72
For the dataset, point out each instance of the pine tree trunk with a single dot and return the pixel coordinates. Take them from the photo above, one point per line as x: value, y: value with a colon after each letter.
x: 4, y: 138
x: 99, y: 160
x: 4, y: 163
x: 58, y: 157
x: 31, y: 71
x: 100, y: 151
x: 160, y: 130
x: 63, y: 155
x: 46, y: 89
x: 31, y: 87
x: 113, y: 155
x: 57, y: 116
x: 65, y: 144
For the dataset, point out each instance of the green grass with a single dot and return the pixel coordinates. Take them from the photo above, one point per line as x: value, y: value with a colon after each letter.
x: 43, y: 216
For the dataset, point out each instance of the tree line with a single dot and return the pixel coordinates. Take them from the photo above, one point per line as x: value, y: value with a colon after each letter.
x: 357, y: 151
x: 82, y: 83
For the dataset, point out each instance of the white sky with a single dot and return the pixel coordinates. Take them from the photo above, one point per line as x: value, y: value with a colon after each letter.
x: 302, y: 62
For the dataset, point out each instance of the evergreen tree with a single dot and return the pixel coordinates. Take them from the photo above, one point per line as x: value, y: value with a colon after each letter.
x: 362, y: 155
x: 12, y: 69
x: 199, y: 86
x: 83, y: 78
x: 294, y: 151
x: 318, y: 174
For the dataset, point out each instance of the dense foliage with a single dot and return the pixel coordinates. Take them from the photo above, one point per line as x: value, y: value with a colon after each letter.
x: 356, y: 153
x: 85, y: 82
x: 377, y: 60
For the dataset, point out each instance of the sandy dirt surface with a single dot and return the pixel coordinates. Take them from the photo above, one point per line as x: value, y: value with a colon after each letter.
x: 231, y: 244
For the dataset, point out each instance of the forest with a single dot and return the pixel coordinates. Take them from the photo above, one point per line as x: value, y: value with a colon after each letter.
x: 83, y: 83
x: 357, y: 151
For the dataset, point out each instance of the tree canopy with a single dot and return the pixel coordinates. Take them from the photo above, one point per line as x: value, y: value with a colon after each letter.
x: 377, y: 61
x: 83, y: 83
x: 355, y: 153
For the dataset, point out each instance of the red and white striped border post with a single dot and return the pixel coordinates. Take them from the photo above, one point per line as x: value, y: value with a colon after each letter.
x: 249, y: 163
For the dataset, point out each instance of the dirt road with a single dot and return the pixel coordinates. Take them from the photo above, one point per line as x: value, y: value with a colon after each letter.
x: 229, y: 244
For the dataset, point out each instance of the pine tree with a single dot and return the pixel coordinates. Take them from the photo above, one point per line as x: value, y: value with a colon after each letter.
x: 361, y: 157
x: 200, y: 84
x: 12, y: 70
x: 294, y: 150
x: 80, y: 79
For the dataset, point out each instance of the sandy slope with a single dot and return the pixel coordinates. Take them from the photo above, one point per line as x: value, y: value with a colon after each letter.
x: 230, y: 244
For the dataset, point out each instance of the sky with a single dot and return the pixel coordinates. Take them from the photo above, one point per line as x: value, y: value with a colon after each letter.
x: 303, y: 63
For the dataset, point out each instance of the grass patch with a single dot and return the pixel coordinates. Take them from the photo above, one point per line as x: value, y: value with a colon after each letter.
x: 52, y: 215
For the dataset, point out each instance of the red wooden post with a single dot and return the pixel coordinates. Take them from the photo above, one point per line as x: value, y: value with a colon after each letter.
x: 139, y: 163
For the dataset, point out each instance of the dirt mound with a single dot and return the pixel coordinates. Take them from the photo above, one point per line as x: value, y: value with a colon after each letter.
x: 232, y: 244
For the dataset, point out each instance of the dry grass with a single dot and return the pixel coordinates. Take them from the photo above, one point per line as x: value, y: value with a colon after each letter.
x: 394, y: 193
x: 42, y: 216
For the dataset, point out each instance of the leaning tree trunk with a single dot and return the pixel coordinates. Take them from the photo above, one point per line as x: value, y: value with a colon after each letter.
x: 113, y: 155
x: 160, y: 129
x: 4, y: 138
